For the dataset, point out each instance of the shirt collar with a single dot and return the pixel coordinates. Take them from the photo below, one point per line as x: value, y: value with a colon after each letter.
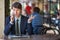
x: 17, y: 18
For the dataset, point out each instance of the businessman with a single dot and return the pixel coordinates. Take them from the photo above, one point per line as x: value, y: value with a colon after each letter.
x: 17, y: 24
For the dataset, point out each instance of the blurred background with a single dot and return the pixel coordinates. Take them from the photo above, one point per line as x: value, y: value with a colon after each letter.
x: 49, y: 5
x: 48, y: 9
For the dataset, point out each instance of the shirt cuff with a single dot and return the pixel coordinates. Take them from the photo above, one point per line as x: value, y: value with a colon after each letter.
x: 11, y: 22
x: 29, y: 21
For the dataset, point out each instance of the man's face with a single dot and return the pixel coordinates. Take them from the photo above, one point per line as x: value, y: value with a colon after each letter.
x: 17, y: 11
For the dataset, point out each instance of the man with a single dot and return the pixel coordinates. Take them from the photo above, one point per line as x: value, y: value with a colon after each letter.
x: 17, y: 24
x: 37, y: 22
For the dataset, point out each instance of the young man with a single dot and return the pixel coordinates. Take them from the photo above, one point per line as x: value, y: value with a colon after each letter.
x: 17, y: 24
x: 37, y: 22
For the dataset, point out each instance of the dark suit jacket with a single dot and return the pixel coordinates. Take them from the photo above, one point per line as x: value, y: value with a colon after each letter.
x: 10, y: 28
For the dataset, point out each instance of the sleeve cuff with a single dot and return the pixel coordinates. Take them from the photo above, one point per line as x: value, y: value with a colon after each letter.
x: 11, y: 22
x: 29, y: 21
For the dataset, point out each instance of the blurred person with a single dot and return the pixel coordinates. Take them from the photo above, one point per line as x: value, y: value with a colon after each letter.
x: 37, y: 21
x: 58, y: 15
x: 28, y: 9
x: 58, y: 19
x: 32, y: 7
x: 17, y: 24
x: 24, y: 13
x: 46, y: 16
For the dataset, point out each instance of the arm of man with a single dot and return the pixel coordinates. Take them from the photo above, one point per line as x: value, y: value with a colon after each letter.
x: 8, y: 25
x: 29, y: 25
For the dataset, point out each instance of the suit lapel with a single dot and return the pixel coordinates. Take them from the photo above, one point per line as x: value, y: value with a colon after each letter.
x: 21, y: 24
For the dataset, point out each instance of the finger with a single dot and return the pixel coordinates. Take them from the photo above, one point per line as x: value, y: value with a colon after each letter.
x: 12, y: 17
x: 31, y: 16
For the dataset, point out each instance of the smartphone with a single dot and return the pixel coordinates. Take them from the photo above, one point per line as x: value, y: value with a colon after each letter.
x: 11, y: 13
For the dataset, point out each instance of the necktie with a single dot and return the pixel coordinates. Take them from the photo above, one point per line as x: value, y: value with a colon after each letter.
x: 17, y: 27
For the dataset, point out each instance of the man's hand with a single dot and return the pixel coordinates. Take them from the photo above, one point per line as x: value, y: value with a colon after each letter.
x: 31, y: 18
x: 12, y: 16
x: 11, y: 19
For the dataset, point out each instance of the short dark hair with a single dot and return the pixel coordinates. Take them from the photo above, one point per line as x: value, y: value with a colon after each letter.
x: 36, y: 9
x: 17, y: 5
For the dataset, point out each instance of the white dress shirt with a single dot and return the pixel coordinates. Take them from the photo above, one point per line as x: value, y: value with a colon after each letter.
x: 18, y: 23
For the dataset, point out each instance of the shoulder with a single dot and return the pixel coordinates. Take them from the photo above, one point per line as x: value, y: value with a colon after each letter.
x: 36, y: 15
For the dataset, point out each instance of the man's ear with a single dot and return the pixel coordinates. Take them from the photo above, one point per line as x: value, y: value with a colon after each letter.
x: 21, y: 12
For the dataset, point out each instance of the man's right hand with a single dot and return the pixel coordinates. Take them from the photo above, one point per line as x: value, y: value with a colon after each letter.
x: 11, y: 19
x: 12, y: 16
